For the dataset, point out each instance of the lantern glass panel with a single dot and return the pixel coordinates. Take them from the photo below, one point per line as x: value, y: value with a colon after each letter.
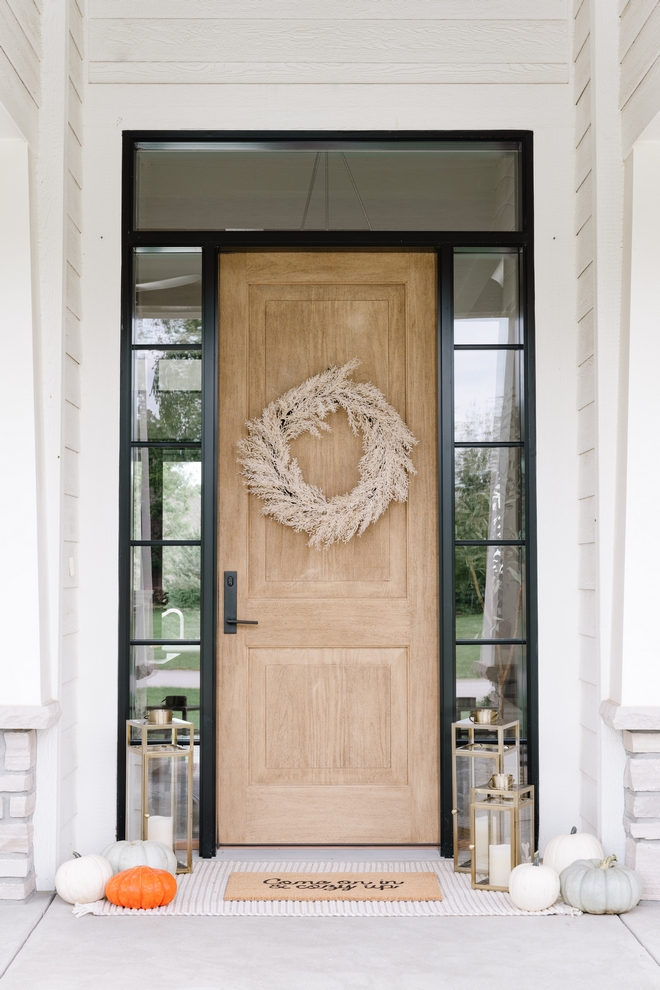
x: 167, y: 803
x: 159, y: 765
x: 134, y: 796
x: 479, y: 751
x: 493, y: 841
x: 471, y: 771
x: 526, y: 833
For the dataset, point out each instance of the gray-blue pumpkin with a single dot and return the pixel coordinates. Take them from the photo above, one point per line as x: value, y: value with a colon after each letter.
x: 600, y: 886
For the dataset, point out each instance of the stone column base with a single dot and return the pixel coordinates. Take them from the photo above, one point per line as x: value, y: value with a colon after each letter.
x: 18, y: 757
x: 641, y: 819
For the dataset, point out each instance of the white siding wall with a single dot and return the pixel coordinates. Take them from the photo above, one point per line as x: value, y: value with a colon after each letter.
x: 585, y: 268
x: 309, y: 41
x: 639, y: 52
x: 71, y: 429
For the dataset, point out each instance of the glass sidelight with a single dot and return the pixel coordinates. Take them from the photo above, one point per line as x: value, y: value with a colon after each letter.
x: 166, y: 487
x: 490, y: 562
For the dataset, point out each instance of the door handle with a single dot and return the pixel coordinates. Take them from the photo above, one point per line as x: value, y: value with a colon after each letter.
x: 230, y: 599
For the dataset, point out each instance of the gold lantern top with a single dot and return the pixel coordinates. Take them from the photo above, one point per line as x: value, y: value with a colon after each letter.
x: 166, y: 735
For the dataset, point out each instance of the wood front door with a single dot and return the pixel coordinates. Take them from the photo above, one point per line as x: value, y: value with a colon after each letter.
x: 328, y: 710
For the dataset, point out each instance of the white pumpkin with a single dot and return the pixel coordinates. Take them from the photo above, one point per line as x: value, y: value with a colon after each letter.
x: 533, y: 887
x: 563, y: 850
x: 124, y: 854
x: 82, y: 880
x: 601, y: 886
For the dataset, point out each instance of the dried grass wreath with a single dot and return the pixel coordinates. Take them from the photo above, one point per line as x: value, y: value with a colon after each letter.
x: 277, y: 479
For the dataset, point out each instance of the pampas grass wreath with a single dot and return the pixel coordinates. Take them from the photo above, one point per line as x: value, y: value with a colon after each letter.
x: 274, y: 477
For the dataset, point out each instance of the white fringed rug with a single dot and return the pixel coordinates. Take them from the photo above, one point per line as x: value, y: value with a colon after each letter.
x: 202, y: 893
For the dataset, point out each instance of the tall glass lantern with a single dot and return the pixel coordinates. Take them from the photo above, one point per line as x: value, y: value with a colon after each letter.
x: 503, y: 830
x: 159, y: 785
x: 478, y: 751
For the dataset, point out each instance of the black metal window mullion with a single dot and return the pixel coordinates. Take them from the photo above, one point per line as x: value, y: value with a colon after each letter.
x: 446, y: 534
x: 208, y: 617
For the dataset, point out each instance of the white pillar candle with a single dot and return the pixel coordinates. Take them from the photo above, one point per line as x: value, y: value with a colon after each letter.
x: 499, y: 865
x: 481, y: 842
x: 160, y: 828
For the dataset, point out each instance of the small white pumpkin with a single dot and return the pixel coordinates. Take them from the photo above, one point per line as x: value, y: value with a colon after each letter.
x: 533, y: 887
x: 82, y: 879
x: 123, y: 855
x: 601, y: 886
x: 563, y: 850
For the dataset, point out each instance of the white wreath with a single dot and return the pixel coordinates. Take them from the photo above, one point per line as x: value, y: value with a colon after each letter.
x: 276, y: 478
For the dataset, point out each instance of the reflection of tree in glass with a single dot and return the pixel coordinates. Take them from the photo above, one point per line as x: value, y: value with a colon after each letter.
x: 178, y: 412
x: 182, y: 504
x: 471, y: 508
x: 182, y: 496
x: 168, y: 331
x: 489, y: 581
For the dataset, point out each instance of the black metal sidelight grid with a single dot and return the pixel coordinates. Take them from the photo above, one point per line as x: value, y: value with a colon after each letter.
x: 212, y: 243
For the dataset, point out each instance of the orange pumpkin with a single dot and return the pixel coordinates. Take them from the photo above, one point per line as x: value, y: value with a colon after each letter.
x: 141, y: 887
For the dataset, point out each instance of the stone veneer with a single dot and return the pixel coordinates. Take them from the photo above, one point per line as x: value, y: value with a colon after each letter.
x: 640, y: 733
x: 642, y: 809
x: 18, y: 756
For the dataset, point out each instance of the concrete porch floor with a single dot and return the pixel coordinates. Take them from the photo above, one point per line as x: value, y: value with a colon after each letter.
x: 44, y: 947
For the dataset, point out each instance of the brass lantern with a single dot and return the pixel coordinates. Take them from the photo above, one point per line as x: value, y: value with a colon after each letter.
x: 159, y: 785
x: 478, y: 751
x: 503, y: 833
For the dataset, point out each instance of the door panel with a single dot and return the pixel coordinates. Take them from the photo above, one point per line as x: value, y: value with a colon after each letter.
x: 328, y: 709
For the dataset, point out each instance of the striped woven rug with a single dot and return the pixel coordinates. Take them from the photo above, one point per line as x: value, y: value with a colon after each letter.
x: 202, y: 893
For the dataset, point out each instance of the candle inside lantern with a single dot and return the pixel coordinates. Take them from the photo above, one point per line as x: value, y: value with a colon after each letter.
x: 160, y: 828
x: 499, y: 865
x: 481, y: 843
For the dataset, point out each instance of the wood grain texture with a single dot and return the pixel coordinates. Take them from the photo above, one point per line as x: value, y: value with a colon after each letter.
x: 201, y: 73
x: 585, y: 296
x: 585, y: 246
x: 330, y: 703
x: 581, y: 29
x: 641, y: 108
x: 278, y: 41
x: 331, y: 717
x: 583, y: 203
x: 633, y: 20
x: 583, y: 113
x: 367, y: 41
x: 582, y: 69
x: 641, y: 56
x: 16, y: 46
x: 336, y: 323
x: 27, y: 14
x: 76, y: 28
x: 469, y: 10
x: 20, y: 103
x: 583, y: 158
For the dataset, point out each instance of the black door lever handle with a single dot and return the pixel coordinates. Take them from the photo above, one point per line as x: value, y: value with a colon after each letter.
x: 230, y: 601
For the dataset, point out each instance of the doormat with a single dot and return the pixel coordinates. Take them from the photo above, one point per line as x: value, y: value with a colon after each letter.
x: 281, y: 886
x: 203, y: 893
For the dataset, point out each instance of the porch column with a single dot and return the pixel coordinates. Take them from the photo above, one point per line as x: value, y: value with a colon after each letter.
x: 634, y: 705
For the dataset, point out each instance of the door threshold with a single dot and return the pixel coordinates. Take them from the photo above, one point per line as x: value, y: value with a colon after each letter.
x: 329, y: 854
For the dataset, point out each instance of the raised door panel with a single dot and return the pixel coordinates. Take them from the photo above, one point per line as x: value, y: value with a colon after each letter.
x: 328, y: 716
x: 295, y: 331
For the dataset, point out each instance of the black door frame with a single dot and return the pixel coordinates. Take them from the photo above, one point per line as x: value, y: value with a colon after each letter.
x: 212, y: 244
